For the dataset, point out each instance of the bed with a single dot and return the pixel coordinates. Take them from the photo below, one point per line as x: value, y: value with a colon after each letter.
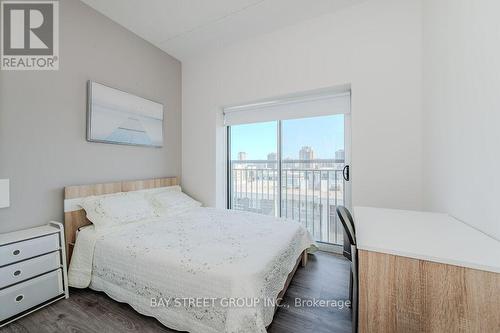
x: 196, y: 270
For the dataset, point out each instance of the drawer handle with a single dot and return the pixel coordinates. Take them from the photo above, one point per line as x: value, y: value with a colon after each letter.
x: 19, y: 298
x: 17, y: 273
x: 16, y: 252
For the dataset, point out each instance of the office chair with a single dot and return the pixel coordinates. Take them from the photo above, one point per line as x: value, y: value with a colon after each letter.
x: 348, y: 224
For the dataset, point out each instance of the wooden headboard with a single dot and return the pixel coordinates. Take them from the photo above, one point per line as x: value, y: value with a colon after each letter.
x: 74, y: 219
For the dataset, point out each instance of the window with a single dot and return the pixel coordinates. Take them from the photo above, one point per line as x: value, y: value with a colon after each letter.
x: 254, y: 168
x: 291, y: 168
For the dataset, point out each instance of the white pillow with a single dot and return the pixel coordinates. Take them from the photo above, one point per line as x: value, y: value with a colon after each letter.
x: 169, y: 202
x: 115, y: 209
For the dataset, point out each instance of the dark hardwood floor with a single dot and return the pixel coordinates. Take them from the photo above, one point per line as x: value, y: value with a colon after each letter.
x: 325, y: 277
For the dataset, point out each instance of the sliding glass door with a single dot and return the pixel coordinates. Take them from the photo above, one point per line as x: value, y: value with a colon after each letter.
x: 291, y: 168
x: 313, y: 158
x: 253, y: 173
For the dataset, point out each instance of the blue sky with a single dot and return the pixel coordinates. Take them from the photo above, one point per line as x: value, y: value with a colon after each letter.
x: 324, y: 134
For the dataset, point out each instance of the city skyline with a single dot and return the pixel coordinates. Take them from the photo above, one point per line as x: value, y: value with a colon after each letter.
x: 272, y: 156
x: 324, y: 134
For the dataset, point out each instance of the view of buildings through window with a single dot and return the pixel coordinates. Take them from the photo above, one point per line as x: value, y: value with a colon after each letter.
x: 308, y: 166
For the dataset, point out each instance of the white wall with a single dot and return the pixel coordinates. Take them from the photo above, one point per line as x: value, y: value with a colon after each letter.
x: 374, y: 46
x: 462, y: 110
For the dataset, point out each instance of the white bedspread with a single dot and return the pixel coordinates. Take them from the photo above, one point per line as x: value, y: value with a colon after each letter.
x: 208, y: 256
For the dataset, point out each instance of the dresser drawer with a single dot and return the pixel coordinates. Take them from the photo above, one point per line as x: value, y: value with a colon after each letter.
x: 28, y: 294
x: 26, y: 269
x: 29, y: 248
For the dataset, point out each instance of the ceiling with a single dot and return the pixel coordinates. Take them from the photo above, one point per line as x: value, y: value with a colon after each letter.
x: 184, y: 27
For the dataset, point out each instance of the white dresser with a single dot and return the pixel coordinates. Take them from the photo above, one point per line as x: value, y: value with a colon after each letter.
x: 32, y: 270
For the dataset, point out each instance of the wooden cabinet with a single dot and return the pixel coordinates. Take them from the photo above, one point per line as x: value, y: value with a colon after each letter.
x: 400, y: 294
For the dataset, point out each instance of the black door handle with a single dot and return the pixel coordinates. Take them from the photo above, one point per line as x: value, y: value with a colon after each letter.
x: 345, y: 173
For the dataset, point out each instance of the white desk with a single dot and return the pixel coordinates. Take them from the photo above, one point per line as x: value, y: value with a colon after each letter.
x: 427, y: 236
x: 425, y: 272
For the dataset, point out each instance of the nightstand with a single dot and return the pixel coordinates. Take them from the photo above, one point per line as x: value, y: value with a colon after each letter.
x: 33, y: 270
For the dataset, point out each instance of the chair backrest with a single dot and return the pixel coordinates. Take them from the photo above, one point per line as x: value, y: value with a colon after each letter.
x: 348, y: 223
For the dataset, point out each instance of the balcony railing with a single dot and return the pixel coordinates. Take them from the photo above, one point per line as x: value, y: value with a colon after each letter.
x: 310, y: 192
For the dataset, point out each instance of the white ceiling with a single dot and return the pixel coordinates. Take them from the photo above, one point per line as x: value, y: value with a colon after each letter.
x: 184, y: 27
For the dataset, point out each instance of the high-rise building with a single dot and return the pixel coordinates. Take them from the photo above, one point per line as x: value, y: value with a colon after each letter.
x: 271, y: 157
x: 306, y: 153
x: 340, y: 155
x: 242, y: 156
